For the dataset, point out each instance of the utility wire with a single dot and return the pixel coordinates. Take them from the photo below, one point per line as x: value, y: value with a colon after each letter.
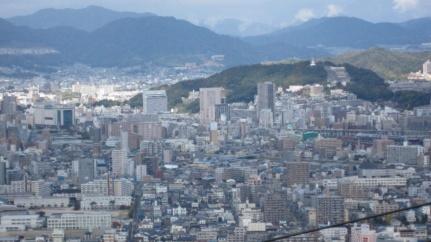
x: 347, y: 223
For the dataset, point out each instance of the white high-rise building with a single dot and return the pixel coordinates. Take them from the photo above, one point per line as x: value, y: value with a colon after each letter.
x: 125, y: 141
x: 427, y: 68
x: 141, y: 172
x: 154, y: 101
x: 208, y: 98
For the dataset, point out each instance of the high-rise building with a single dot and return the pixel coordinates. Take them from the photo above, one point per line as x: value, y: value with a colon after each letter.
x: 125, y: 140
x: 84, y: 170
x: 208, y: 99
x: 119, y: 162
x: 427, y: 67
x: 154, y: 101
x: 275, y: 208
x: 297, y: 173
x: 141, y: 172
x: 330, y: 209
x: 2, y: 172
x: 265, y: 96
x: 8, y: 104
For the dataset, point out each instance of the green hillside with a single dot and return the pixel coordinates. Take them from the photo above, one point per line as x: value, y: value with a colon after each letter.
x: 391, y: 65
x: 241, y: 84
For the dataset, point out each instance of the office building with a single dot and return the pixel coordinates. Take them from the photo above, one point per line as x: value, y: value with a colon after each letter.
x: 8, y: 104
x: 265, y: 96
x: 54, y: 115
x: 154, y: 101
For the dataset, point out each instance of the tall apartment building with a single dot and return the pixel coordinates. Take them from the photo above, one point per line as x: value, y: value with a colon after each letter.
x: 208, y: 99
x: 297, y: 173
x: 275, y: 208
x: 119, y: 162
x: 330, y: 209
x: 154, y: 101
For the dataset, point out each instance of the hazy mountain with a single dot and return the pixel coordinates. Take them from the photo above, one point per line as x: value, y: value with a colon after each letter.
x: 89, y: 18
x: 236, y: 27
x: 344, y: 32
x: 391, y: 65
x: 150, y: 38
x: 420, y: 25
x: 129, y: 41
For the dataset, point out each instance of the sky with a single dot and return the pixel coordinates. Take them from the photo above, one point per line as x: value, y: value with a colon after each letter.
x: 273, y: 12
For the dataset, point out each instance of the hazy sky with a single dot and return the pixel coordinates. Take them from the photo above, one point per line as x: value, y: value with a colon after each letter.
x: 274, y: 12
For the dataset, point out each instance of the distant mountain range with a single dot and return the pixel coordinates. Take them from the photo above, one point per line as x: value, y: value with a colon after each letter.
x: 349, y: 32
x: 88, y: 19
x: 102, y: 37
x: 392, y: 65
x: 236, y: 27
x: 126, y: 41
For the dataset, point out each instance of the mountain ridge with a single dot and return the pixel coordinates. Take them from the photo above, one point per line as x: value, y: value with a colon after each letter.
x: 89, y: 18
x: 346, y: 32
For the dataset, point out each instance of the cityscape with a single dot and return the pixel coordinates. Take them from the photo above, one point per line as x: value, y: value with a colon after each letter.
x: 331, y: 144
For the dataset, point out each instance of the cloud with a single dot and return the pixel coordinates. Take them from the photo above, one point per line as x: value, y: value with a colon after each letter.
x: 304, y: 15
x: 405, y: 5
x: 333, y: 10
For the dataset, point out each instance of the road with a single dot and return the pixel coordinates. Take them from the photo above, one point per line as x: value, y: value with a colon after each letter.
x: 136, y: 207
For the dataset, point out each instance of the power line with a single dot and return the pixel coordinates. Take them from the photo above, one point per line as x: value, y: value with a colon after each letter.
x: 347, y: 223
